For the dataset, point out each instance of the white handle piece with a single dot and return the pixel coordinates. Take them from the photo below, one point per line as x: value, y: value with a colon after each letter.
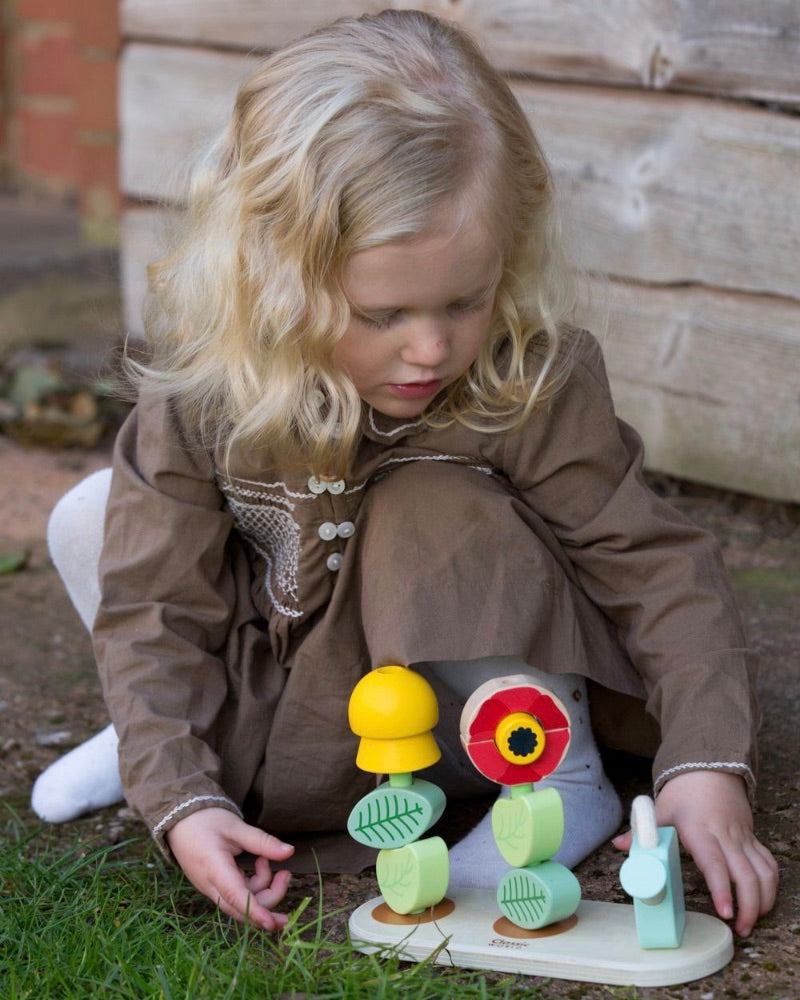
x: 643, y: 821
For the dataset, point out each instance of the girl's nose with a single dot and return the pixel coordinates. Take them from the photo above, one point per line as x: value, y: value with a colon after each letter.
x: 427, y: 344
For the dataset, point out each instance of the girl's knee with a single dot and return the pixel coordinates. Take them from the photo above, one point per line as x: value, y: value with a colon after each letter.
x: 78, y: 517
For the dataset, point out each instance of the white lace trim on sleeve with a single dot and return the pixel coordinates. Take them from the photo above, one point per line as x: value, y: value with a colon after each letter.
x: 731, y: 767
x: 187, y: 804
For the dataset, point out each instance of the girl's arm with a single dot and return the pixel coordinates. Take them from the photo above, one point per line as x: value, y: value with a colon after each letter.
x: 661, y: 580
x: 164, y: 618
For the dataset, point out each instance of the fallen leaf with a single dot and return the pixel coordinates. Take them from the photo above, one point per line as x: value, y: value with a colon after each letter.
x: 11, y: 562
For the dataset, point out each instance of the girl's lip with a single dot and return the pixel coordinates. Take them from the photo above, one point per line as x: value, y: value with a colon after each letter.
x: 416, y: 390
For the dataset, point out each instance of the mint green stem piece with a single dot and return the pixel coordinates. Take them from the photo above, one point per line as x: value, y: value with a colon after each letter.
x: 518, y: 790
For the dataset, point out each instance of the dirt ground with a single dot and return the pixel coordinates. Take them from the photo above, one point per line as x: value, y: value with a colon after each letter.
x: 50, y: 698
x: 50, y: 701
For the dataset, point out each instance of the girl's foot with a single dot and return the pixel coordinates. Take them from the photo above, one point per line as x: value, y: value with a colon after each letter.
x: 85, y: 779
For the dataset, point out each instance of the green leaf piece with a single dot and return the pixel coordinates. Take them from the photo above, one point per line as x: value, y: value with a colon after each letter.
x: 391, y: 817
x: 522, y: 900
x: 538, y: 895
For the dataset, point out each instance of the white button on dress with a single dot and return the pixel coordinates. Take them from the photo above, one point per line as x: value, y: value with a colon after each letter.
x: 346, y: 529
x: 334, y: 562
x: 327, y: 531
x: 318, y: 486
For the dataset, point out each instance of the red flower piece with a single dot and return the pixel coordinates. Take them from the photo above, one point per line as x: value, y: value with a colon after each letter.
x: 493, y: 703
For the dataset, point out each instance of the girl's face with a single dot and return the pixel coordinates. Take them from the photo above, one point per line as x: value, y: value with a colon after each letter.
x: 420, y: 313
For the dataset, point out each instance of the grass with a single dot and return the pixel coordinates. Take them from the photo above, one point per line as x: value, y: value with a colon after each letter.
x: 117, y: 922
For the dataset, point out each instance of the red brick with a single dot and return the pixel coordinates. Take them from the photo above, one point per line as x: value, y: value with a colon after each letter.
x: 48, y: 10
x: 98, y: 175
x: 4, y: 151
x: 47, y: 144
x: 96, y: 94
x: 48, y: 65
x: 98, y: 24
x: 99, y: 199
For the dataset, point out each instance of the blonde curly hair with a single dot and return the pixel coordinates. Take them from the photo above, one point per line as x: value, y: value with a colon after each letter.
x: 346, y: 139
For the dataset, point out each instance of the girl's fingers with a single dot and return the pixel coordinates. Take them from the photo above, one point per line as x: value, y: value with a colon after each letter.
x: 711, y: 861
x: 274, y: 893
x: 261, y: 878
x: 757, y: 886
x: 623, y: 841
x: 748, y: 869
x: 229, y: 890
x: 262, y: 844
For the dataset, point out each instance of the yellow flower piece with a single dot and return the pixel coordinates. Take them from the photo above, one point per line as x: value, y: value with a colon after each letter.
x: 393, y: 710
x: 520, y: 738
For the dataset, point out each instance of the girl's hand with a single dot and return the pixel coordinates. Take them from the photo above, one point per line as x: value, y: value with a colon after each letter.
x: 206, y: 844
x: 710, y: 811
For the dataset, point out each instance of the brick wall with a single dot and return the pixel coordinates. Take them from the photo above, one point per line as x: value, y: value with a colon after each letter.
x: 58, y: 117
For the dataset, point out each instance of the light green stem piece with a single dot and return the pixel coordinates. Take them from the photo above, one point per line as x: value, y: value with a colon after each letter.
x: 414, y: 877
x: 528, y: 827
x: 517, y: 791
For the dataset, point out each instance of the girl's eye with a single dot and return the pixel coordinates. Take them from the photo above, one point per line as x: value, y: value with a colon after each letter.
x: 381, y: 321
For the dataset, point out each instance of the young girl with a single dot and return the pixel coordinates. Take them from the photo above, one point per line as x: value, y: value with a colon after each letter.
x: 367, y: 435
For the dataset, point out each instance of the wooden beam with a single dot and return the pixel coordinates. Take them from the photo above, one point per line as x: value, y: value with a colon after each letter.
x: 172, y: 101
x: 737, y: 48
x: 657, y: 188
x: 708, y: 378
x: 141, y: 242
x: 669, y: 189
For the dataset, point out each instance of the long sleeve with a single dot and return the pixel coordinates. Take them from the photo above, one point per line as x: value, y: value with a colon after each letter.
x: 656, y: 576
x: 164, y: 616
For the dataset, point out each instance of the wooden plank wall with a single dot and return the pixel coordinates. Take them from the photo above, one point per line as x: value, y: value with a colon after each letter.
x: 674, y: 134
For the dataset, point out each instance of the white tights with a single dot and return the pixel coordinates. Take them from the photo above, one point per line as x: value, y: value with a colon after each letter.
x: 87, y: 778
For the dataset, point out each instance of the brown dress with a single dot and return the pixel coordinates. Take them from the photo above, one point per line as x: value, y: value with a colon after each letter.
x: 240, y: 607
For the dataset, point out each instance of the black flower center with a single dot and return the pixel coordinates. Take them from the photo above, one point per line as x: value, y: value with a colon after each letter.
x: 522, y: 742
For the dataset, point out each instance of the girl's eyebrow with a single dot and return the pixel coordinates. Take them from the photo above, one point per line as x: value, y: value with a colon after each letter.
x: 384, y: 311
x: 479, y: 294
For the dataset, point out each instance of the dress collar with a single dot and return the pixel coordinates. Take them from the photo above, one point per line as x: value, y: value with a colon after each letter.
x: 378, y: 427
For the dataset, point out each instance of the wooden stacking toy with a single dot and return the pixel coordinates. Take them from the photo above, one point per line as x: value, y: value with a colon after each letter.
x: 515, y: 733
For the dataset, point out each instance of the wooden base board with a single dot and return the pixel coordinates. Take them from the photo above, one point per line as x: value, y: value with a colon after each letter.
x: 600, y: 947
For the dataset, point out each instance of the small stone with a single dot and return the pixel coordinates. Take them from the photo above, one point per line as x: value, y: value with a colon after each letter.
x: 56, y: 739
